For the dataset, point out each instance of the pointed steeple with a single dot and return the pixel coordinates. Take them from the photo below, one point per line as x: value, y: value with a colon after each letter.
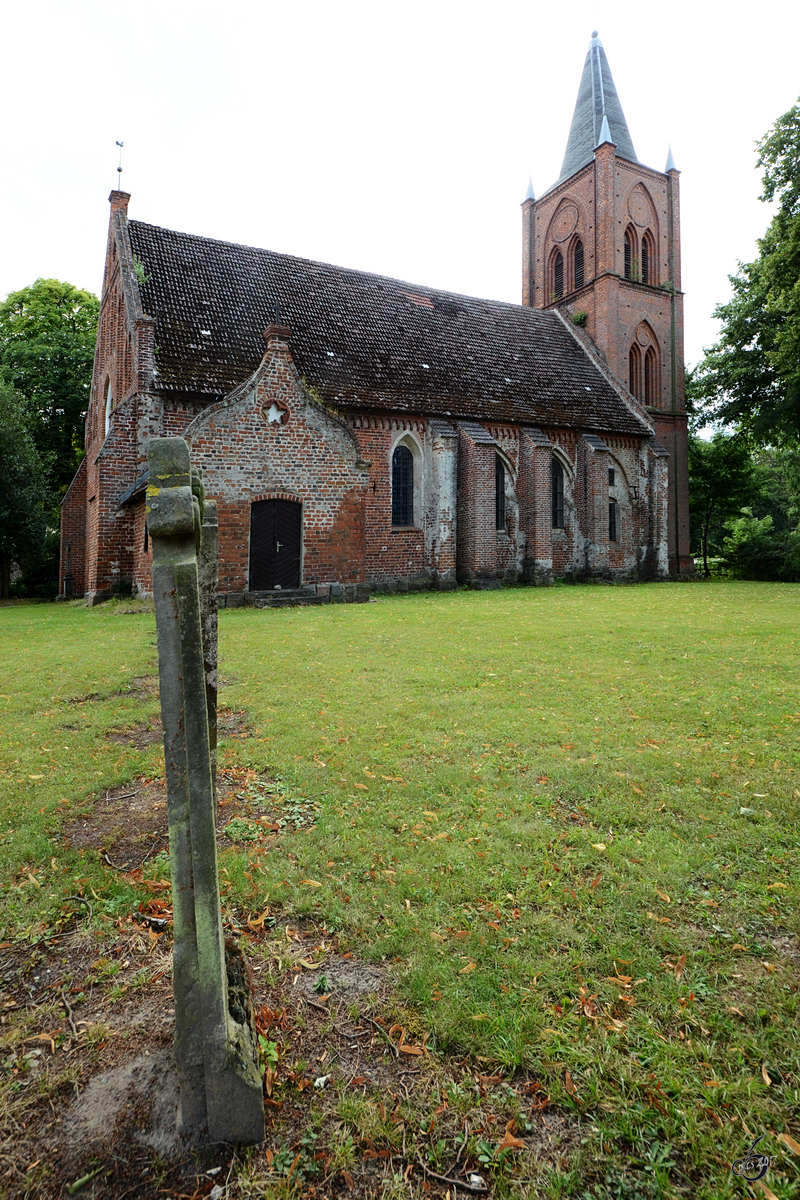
x: 597, y: 103
x: 529, y: 194
x: 670, y: 162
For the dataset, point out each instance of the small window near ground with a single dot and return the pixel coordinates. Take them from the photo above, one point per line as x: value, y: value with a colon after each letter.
x: 402, y: 486
x: 613, y: 523
x: 499, y: 493
x: 557, y: 476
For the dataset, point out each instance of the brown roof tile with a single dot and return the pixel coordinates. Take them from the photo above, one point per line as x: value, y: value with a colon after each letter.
x: 364, y: 341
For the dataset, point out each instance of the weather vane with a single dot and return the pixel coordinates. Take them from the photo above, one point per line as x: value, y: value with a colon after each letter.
x: 119, y: 168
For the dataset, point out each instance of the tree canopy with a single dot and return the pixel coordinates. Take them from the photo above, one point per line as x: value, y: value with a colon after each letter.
x: 751, y: 378
x: 721, y: 483
x: 23, y: 487
x: 47, y: 340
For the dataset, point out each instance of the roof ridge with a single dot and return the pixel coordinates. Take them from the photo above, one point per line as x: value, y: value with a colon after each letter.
x: 537, y: 313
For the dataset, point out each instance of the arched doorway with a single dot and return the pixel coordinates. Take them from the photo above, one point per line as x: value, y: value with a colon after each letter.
x: 275, y: 543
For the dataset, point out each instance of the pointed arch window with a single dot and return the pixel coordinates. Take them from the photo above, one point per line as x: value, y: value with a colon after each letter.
x: 557, y: 488
x: 613, y: 521
x: 651, y: 388
x: 577, y: 264
x: 402, y: 486
x: 648, y: 259
x: 499, y: 494
x: 109, y: 409
x: 558, y: 275
x: 635, y: 371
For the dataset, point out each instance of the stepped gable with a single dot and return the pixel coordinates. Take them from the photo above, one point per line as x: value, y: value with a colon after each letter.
x: 362, y: 340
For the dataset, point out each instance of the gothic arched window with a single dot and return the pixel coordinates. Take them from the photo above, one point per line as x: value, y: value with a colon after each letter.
x: 402, y: 486
x: 577, y: 264
x: 558, y: 275
x: 648, y: 259
x: 630, y: 254
x: 613, y: 521
x: 651, y: 388
x: 557, y: 485
x: 635, y: 371
x: 109, y: 409
x: 499, y: 493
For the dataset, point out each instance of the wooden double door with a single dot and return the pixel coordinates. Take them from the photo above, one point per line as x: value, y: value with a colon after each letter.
x: 276, y: 528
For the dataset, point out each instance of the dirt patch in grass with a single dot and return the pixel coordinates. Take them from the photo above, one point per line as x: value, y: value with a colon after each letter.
x: 143, y: 734
x: 358, y: 1101
x: 128, y: 825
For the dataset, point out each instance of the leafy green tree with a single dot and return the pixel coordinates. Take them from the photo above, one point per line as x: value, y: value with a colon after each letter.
x: 751, y: 378
x: 721, y: 483
x: 23, y: 488
x: 754, y: 549
x: 47, y: 340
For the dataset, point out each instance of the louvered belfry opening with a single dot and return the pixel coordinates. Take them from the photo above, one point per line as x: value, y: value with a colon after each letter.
x: 557, y: 488
x: 628, y: 256
x: 578, y: 265
x: 558, y: 275
x: 650, y: 377
x: 402, y: 486
x: 275, y: 544
x: 635, y: 371
x: 645, y: 261
x: 499, y: 493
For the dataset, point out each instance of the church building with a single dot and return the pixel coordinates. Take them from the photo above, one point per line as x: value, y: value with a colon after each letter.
x: 361, y: 433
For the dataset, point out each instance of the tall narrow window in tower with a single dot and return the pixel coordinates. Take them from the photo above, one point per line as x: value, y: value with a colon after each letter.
x: 499, y: 493
x: 402, y: 486
x: 648, y: 258
x: 628, y: 254
x: 557, y: 485
x: 578, y: 265
x: 651, y: 388
x: 558, y: 275
x: 635, y: 371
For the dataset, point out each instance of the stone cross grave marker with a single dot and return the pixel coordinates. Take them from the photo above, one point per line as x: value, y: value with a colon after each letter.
x: 215, y: 1045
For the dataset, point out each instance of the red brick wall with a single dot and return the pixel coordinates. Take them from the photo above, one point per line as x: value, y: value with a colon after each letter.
x: 73, y: 534
x: 313, y: 457
x: 597, y: 205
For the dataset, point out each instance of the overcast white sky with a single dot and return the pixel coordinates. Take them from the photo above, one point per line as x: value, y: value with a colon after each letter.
x: 396, y: 138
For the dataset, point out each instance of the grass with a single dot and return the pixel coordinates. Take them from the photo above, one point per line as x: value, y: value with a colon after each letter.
x: 527, y: 803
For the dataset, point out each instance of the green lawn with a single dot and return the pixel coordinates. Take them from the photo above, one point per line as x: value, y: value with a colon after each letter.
x: 529, y: 804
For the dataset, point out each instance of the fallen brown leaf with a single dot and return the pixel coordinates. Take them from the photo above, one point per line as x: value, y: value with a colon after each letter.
x: 509, y: 1142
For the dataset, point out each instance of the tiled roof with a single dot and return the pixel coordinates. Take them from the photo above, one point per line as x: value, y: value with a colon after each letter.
x: 364, y: 341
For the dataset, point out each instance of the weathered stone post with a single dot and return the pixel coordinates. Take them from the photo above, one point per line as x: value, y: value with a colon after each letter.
x: 208, y: 572
x: 220, y: 1085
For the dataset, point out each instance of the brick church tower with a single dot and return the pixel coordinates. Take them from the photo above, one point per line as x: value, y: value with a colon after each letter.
x: 603, y: 246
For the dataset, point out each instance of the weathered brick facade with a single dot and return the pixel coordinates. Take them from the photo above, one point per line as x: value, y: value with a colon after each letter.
x: 412, y: 436
x: 627, y: 297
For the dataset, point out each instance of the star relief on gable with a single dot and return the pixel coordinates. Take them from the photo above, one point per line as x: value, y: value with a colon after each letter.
x: 276, y: 412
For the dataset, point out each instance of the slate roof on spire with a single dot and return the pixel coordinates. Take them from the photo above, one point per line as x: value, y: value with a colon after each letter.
x: 597, y: 98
